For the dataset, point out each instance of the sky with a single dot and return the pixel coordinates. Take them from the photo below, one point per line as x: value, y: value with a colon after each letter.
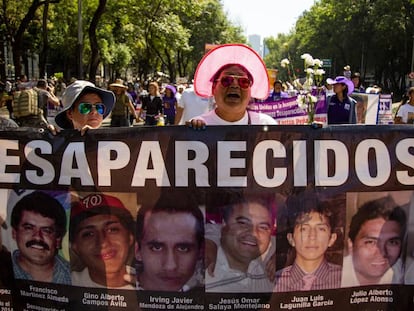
x: 266, y: 18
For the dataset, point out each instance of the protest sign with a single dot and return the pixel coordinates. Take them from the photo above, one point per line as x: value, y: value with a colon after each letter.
x: 117, y: 187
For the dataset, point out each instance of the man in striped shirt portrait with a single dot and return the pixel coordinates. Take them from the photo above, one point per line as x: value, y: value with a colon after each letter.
x: 310, y: 234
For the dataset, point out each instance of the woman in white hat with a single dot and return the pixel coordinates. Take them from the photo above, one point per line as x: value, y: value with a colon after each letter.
x: 123, y: 105
x: 85, y: 106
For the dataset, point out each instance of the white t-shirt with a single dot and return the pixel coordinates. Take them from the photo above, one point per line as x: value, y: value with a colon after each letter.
x: 192, y: 104
x: 406, y: 112
x: 211, y: 118
x: 394, y: 275
x: 82, y: 278
x: 227, y: 280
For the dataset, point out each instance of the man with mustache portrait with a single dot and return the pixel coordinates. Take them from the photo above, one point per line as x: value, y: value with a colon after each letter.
x: 38, y: 226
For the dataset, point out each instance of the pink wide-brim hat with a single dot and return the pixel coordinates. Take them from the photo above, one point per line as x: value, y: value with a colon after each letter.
x: 226, y: 54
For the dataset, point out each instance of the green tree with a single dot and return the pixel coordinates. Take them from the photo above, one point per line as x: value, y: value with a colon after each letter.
x: 16, y: 17
x: 93, y: 39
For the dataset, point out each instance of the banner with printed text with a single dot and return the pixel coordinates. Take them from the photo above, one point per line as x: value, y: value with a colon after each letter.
x: 369, y: 108
x: 229, y: 218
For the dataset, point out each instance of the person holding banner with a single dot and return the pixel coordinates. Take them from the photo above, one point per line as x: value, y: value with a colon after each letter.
x: 375, y: 240
x: 341, y: 107
x: 233, y: 74
x: 311, y: 233
x: 405, y: 113
x: 85, y: 106
x: 278, y: 92
x: 245, y: 247
x: 38, y: 225
x: 356, y: 80
x: 169, y: 246
x: 101, y: 236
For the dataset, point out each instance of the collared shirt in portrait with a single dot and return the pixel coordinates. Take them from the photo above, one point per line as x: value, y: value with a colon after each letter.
x: 394, y: 275
x: 230, y: 280
x: 61, y: 270
x: 328, y: 275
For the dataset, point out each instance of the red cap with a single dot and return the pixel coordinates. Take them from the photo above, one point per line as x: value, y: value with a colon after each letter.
x: 96, y: 200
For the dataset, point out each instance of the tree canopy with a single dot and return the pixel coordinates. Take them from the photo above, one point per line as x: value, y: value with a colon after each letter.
x: 374, y: 37
x: 144, y: 36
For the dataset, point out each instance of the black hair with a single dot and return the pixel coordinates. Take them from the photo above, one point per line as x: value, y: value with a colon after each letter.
x: 41, y: 83
x: 304, y: 203
x: 124, y: 216
x: 384, y: 208
x: 40, y: 203
x: 171, y: 205
x: 278, y: 82
x: 267, y: 201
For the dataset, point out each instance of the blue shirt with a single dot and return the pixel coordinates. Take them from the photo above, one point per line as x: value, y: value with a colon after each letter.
x: 276, y: 96
x: 61, y: 270
x: 341, y: 112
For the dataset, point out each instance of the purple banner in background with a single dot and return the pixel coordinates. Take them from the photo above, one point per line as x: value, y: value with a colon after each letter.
x: 290, y: 111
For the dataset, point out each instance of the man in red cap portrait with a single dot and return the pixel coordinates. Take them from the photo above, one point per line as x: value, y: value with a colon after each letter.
x: 101, y: 236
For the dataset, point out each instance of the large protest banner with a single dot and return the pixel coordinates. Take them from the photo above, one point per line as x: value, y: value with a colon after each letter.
x: 80, y: 212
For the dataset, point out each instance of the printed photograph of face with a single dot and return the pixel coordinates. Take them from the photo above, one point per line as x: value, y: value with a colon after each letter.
x: 247, y: 231
x: 169, y: 246
x: 375, y: 239
x: 38, y: 223
x: 311, y: 237
x: 309, y: 245
x: 102, y: 240
x: 409, y: 262
x: 240, y: 244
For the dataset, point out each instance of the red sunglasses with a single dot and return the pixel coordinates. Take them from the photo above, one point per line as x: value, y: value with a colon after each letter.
x: 243, y: 82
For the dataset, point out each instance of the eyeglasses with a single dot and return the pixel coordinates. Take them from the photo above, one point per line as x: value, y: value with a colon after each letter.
x: 85, y: 108
x: 31, y: 229
x: 243, y: 82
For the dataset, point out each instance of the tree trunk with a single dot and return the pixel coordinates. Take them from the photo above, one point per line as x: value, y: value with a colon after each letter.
x: 3, y: 70
x: 17, y: 58
x: 95, y: 56
x: 16, y: 42
x: 18, y: 37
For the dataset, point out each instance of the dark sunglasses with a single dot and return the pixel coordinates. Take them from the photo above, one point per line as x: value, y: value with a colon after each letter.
x: 243, y: 82
x: 85, y: 108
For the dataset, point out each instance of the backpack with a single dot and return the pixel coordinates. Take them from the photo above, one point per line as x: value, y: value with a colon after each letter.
x: 25, y: 103
x: 121, y: 107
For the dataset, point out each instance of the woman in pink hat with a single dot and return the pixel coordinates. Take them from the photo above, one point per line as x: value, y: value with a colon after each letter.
x: 233, y: 74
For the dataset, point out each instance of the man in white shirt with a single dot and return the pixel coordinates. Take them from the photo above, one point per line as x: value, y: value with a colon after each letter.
x: 102, y: 238
x: 190, y: 105
x: 405, y: 113
x: 245, y: 247
x: 374, y: 243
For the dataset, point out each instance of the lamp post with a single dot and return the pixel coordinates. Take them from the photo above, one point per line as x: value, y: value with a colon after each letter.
x: 80, y: 40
